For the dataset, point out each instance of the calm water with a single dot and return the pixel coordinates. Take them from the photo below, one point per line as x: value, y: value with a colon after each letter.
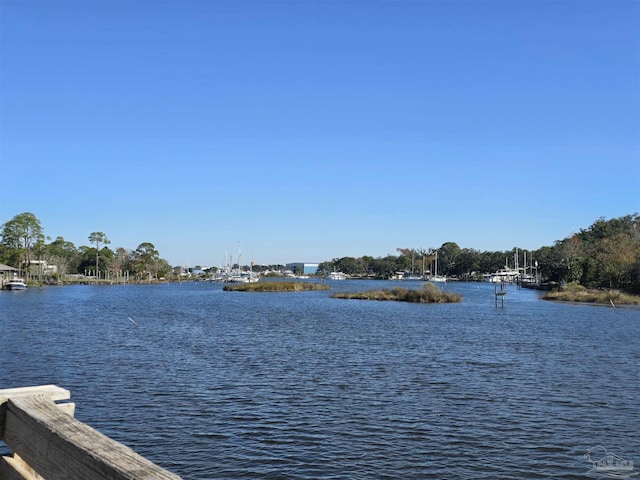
x: 214, y: 384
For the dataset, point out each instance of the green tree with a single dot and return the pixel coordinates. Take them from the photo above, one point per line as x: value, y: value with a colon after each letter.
x: 615, y: 261
x: 63, y: 254
x: 349, y: 265
x: 106, y: 259
x: 467, y: 263
x: 607, y: 254
x: 325, y: 267
x: 366, y: 262
x: 164, y: 269
x: 86, y: 259
x: 20, y: 234
x: 403, y: 261
x: 571, y: 253
x: 447, y: 257
x: 98, y: 238
x: 146, y: 259
x: 384, y: 267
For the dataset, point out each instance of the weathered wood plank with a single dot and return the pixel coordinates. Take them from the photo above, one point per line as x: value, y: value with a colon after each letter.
x: 60, y: 447
x: 14, y: 468
x: 67, y: 408
x: 11, y: 469
x: 52, y: 392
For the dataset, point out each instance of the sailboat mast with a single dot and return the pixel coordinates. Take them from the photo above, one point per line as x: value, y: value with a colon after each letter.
x: 436, y: 265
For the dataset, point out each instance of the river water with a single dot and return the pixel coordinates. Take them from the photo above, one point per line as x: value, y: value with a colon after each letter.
x: 222, y: 385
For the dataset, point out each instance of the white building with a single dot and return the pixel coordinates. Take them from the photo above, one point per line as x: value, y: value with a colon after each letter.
x: 303, y: 268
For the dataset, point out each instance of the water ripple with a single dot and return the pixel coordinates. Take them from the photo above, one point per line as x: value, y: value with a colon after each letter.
x: 301, y: 386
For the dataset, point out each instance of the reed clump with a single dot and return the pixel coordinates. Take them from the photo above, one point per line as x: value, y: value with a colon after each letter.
x: 580, y: 294
x: 428, y: 294
x: 275, y: 287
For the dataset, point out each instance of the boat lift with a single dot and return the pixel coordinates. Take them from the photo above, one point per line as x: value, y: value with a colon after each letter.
x: 500, y: 293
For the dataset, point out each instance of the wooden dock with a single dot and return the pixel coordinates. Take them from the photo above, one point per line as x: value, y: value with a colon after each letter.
x: 47, y: 442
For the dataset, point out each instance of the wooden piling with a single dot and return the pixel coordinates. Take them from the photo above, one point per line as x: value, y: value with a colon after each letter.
x: 499, y: 294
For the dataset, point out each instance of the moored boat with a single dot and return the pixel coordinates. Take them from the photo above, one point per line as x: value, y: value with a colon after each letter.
x: 15, y: 284
x: 435, y: 277
x: 243, y: 277
x: 438, y: 279
x: 504, y: 275
x: 337, y: 276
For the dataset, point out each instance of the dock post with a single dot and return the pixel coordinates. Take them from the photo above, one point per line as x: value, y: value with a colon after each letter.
x: 500, y: 293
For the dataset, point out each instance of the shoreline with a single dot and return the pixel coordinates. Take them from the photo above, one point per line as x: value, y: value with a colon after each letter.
x: 611, y: 298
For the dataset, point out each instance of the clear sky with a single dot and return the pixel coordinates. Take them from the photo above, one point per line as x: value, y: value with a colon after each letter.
x: 308, y: 130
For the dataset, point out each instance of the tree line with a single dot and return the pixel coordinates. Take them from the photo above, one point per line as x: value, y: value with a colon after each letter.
x: 605, y: 255
x: 24, y: 245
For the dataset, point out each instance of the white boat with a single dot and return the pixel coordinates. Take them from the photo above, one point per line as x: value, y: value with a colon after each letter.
x: 405, y: 276
x: 243, y: 277
x: 610, y: 466
x: 15, y: 284
x: 412, y: 278
x: 337, y: 276
x: 435, y: 277
x: 504, y: 275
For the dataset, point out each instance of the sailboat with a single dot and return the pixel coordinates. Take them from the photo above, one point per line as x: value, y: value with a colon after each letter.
x: 435, y: 277
x: 411, y: 275
x: 239, y: 275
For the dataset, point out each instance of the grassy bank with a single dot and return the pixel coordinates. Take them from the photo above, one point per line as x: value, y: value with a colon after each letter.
x: 428, y: 294
x: 580, y: 294
x: 275, y: 287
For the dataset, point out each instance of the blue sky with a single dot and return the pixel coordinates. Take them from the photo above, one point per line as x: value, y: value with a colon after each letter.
x: 308, y: 130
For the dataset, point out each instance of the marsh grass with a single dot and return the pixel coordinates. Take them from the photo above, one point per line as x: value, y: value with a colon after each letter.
x: 428, y: 294
x: 275, y: 287
x: 581, y: 294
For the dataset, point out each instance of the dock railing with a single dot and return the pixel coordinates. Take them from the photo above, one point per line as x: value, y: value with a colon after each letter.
x: 47, y: 442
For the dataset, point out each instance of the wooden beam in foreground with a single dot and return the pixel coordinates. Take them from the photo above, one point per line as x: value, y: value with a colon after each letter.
x: 59, y: 447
